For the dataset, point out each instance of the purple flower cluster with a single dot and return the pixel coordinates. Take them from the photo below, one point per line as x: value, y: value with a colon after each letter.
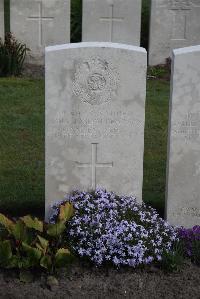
x: 189, y: 237
x: 109, y: 228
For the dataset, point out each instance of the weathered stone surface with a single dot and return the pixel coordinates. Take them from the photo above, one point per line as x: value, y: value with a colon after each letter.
x: 174, y: 24
x: 95, y: 110
x: 183, y: 196
x: 112, y: 21
x: 2, y: 19
x: 40, y: 23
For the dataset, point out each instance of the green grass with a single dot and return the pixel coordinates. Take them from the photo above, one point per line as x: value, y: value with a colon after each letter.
x: 156, y: 143
x: 22, y: 145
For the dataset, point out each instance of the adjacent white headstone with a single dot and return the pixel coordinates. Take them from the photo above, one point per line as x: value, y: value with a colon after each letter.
x: 95, y: 111
x: 183, y: 196
x: 112, y: 21
x: 2, y: 19
x: 40, y: 23
x: 174, y: 24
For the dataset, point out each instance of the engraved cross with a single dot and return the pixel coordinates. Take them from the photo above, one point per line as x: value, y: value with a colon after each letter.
x: 111, y: 20
x: 94, y: 164
x: 40, y: 18
x: 180, y: 10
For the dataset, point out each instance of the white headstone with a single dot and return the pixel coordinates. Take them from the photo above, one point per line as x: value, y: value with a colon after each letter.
x: 95, y: 111
x: 112, y: 21
x: 2, y: 19
x: 40, y: 23
x: 183, y: 195
x: 174, y: 24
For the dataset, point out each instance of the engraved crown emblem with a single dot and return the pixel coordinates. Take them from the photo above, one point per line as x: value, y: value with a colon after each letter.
x: 95, y: 81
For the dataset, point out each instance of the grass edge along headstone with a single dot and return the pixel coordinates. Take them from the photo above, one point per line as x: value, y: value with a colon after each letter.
x: 2, y: 25
x: 40, y: 23
x: 183, y: 173
x: 95, y: 114
x: 116, y: 21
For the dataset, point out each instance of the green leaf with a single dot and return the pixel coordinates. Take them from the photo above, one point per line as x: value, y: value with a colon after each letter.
x: 33, y: 223
x: 62, y: 257
x: 25, y: 276
x: 7, y: 223
x: 55, y: 230
x: 66, y: 212
x: 33, y: 254
x: 14, y: 262
x: 19, y: 231
x: 5, y: 253
x: 46, y: 262
x: 52, y: 282
x: 42, y: 245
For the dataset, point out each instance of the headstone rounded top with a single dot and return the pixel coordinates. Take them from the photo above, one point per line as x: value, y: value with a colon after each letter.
x: 95, y: 45
x: 186, y: 50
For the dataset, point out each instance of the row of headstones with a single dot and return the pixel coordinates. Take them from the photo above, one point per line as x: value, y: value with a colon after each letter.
x: 174, y: 24
x: 95, y: 114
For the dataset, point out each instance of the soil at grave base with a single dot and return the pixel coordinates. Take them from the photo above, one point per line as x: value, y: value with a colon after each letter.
x: 33, y: 71
x: 87, y: 282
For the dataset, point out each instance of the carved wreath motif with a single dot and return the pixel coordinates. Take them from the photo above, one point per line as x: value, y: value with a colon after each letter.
x: 95, y: 81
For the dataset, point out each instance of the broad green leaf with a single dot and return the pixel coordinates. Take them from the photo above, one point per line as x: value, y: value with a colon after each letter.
x: 43, y: 245
x: 66, y: 211
x: 62, y: 257
x: 34, y: 254
x: 5, y: 252
x: 52, y: 282
x: 13, y: 262
x: 55, y: 230
x: 33, y: 223
x: 19, y: 231
x: 46, y: 262
x: 7, y: 223
x: 25, y: 276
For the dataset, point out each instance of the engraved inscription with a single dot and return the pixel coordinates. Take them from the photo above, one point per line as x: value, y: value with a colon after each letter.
x: 109, y: 124
x: 96, y: 81
x: 188, y: 128
x: 111, y: 20
x: 94, y: 165
x: 179, y: 4
x: 188, y: 211
x: 40, y: 18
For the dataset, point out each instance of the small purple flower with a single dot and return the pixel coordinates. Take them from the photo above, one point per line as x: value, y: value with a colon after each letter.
x: 189, y: 237
x: 110, y: 228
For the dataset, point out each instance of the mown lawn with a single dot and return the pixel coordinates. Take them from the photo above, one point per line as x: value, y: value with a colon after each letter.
x: 22, y: 145
x: 156, y: 143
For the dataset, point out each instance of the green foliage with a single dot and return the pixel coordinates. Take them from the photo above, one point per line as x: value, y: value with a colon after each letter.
x: 22, y: 162
x: 145, y: 23
x: 157, y: 72
x: 196, y: 252
x: 173, y: 260
x: 12, y: 56
x: 33, y: 223
x: 76, y: 21
x: 30, y: 243
x: 7, y: 15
